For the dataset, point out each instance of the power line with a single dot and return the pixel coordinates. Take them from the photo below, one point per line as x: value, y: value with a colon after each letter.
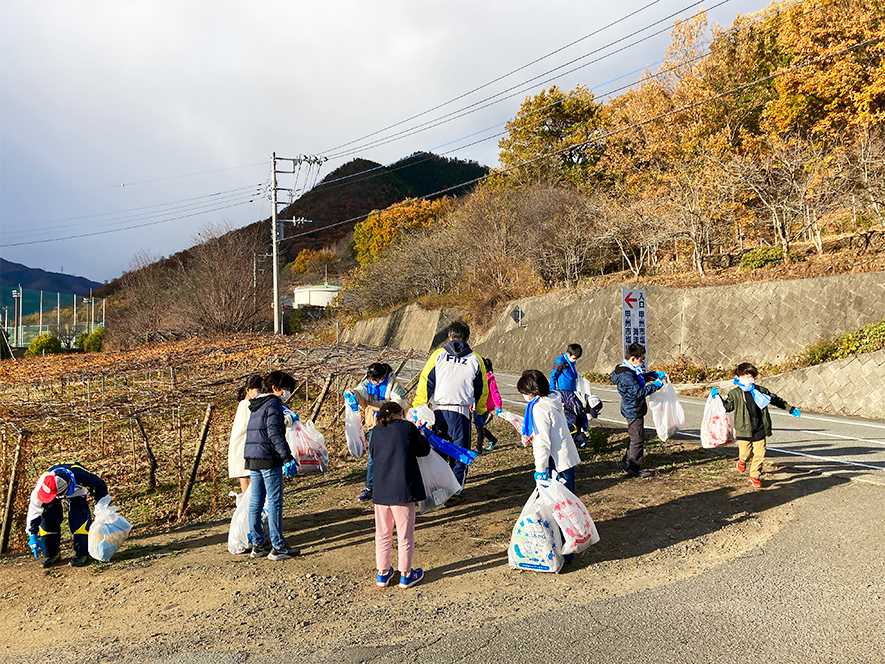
x: 493, y: 81
x: 621, y: 130
x: 171, y: 177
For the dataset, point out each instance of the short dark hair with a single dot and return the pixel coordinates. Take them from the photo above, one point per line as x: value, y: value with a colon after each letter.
x: 745, y: 368
x: 253, y: 382
x: 575, y: 349
x: 533, y: 382
x: 377, y: 370
x: 458, y: 330
x: 277, y: 380
x: 387, y: 412
x: 635, y: 350
x: 488, y: 362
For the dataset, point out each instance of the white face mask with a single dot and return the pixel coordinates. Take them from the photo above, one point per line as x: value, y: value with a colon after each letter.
x: 747, y: 381
x: 285, y: 396
x: 527, y: 397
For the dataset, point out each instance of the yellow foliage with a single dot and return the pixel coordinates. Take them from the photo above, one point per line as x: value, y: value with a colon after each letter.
x: 383, y: 227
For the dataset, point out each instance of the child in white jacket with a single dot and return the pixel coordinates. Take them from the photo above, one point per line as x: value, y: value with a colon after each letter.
x: 546, y: 425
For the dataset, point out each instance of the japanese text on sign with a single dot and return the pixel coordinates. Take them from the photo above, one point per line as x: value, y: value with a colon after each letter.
x: 635, y: 308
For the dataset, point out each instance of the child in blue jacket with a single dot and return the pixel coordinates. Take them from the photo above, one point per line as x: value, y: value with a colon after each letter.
x: 564, y: 380
x: 633, y: 386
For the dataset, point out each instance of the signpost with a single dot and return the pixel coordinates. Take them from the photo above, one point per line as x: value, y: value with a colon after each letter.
x: 517, y: 315
x: 634, y: 308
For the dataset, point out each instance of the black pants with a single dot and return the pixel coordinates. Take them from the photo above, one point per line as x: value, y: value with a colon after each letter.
x: 482, y: 432
x: 79, y: 520
x: 636, y: 445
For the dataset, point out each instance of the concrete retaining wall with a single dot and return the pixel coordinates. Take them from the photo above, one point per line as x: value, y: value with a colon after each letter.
x: 411, y: 327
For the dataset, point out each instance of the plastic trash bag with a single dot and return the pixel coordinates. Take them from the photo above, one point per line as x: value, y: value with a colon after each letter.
x: 308, y: 446
x: 717, y: 426
x: 423, y: 415
x: 353, y: 426
x: 108, y: 531
x: 535, y: 543
x: 514, y: 419
x: 666, y: 411
x: 238, y: 538
x: 592, y: 403
x: 571, y: 516
x: 439, y: 481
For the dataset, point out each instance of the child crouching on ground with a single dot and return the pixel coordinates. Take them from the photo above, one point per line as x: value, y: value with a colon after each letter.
x: 397, y: 485
x: 752, y: 423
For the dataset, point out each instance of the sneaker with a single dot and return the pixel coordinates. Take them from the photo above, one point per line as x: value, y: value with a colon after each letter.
x: 283, y: 554
x: 491, y: 446
x: 756, y: 482
x: 742, y: 466
x: 79, y: 561
x: 259, y: 551
x: 49, y: 561
x: 457, y: 499
x: 411, y: 578
x: 365, y: 495
x: 381, y: 580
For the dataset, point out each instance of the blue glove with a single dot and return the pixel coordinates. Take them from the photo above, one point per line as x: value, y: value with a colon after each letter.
x: 658, y: 383
x: 542, y: 477
x: 290, y: 468
x: 795, y: 412
x: 37, y: 547
x: 660, y: 374
x: 714, y: 391
x: 497, y: 412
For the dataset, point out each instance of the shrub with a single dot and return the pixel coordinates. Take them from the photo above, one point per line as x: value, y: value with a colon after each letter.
x: 4, y: 346
x: 80, y: 341
x: 95, y: 340
x: 762, y: 256
x: 44, y: 344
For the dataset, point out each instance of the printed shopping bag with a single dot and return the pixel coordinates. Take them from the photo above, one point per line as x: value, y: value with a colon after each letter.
x: 717, y: 426
x: 308, y: 446
x: 570, y: 515
x: 535, y: 543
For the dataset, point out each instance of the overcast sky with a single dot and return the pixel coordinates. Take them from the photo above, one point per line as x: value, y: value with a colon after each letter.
x: 148, y: 94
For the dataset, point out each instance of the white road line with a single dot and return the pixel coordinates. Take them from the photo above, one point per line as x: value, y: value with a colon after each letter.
x: 824, y: 458
x: 834, y: 435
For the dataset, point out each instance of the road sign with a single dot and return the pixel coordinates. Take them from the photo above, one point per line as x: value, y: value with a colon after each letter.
x: 634, y: 318
x: 517, y: 315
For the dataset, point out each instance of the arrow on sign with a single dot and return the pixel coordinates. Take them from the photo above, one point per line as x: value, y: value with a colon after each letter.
x: 630, y: 299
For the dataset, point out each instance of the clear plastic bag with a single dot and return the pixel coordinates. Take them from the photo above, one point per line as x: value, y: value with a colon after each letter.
x: 308, y: 446
x: 535, y: 543
x: 592, y: 403
x: 717, y: 426
x: 439, y: 481
x: 514, y: 419
x: 238, y: 538
x: 666, y: 411
x: 570, y: 515
x: 108, y: 531
x: 423, y: 415
x: 353, y: 426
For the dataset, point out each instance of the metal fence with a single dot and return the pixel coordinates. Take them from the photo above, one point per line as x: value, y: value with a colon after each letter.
x: 28, y: 313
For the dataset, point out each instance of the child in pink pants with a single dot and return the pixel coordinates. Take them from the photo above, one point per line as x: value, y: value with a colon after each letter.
x: 395, y: 446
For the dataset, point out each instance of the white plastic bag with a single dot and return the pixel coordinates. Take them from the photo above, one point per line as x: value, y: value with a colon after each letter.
x: 108, y: 531
x: 308, y: 446
x: 238, y: 538
x: 592, y: 403
x: 439, y: 481
x: 570, y: 515
x: 516, y: 420
x: 536, y: 543
x: 423, y: 415
x: 717, y: 427
x: 666, y: 411
x: 353, y: 426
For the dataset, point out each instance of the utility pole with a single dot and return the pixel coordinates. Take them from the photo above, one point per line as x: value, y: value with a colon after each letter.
x: 102, y: 312
x: 40, y: 329
x: 58, y: 312
x: 92, y: 303
x: 312, y: 161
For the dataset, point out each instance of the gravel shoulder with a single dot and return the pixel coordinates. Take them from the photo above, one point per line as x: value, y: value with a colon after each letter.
x: 181, y: 591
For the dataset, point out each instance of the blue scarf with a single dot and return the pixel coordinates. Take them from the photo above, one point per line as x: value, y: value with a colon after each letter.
x: 527, y: 424
x: 637, y: 371
x: 762, y: 400
x: 377, y: 392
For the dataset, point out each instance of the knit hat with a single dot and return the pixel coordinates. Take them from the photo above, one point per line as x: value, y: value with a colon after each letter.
x: 50, y: 486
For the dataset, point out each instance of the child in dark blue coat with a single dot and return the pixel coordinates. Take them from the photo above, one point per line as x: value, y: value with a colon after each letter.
x: 268, y: 457
x: 397, y: 485
x: 633, y: 386
x: 564, y: 380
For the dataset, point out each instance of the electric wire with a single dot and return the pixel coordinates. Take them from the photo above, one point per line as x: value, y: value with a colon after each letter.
x: 492, y: 82
x: 497, y: 97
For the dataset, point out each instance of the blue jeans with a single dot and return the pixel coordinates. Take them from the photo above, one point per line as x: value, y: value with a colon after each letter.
x: 369, y: 460
x: 267, y: 483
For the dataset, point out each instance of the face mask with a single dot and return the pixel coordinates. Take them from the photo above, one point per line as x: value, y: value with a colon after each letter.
x: 527, y: 397
x: 747, y: 381
x: 286, y: 395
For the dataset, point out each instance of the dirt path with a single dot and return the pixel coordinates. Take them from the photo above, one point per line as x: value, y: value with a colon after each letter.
x: 181, y: 590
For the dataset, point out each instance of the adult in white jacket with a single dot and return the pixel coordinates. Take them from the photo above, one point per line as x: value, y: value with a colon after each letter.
x: 546, y: 425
